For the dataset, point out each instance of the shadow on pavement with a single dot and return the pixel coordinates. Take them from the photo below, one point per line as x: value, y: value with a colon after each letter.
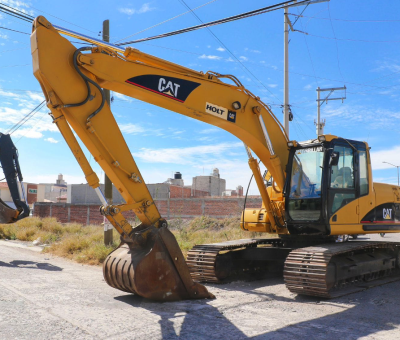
x: 31, y: 265
x: 369, y: 315
x: 356, y: 316
x: 200, y: 320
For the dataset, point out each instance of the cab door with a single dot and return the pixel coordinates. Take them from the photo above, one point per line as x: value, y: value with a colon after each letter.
x: 342, y: 186
x: 366, y: 193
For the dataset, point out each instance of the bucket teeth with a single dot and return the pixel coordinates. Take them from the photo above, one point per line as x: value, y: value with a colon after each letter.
x: 152, y: 266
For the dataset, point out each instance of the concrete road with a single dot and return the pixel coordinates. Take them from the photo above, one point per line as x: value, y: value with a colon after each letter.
x: 44, y: 297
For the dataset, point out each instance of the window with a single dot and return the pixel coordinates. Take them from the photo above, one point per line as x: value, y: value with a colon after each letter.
x: 363, y: 173
x: 342, y: 174
x: 304, y: 202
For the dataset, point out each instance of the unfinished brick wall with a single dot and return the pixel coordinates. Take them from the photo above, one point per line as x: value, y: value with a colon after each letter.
x: 168, y: 208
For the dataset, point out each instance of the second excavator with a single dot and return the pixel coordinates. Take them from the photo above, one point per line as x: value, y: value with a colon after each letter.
x: 320, y: 189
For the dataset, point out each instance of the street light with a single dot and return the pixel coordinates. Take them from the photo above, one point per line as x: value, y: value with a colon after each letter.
x: 396, y: 166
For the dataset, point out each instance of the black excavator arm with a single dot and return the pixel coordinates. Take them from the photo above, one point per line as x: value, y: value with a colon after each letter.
x: 12, y: 172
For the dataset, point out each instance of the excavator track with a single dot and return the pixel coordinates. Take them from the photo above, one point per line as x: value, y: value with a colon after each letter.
x: 219, y: 262
x: 332, y: 270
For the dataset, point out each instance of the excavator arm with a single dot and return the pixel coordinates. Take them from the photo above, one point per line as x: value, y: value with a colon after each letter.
x: 12, y: 172
x: 72, y: 81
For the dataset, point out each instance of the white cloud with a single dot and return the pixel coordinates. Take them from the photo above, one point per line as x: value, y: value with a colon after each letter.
x: 122, y: 97
x: 253, y: 51
x: 391, y: 155
x: 8, y: 94
x: 359, y: 114
x: 243, y: 58
x: 17, y: 106
x: 193, y: 155
x: 211, y: 130
x: 51, y: 140
x: 36, y: 96
x: 130, y: 11
x: 211, y: 57
x: 132, y: 129
x: 307, y: 87
x: 3, y: 36
x: 272, y: 85
x: 27, y: 132
x: 220, y: 49
x: 19, y: 5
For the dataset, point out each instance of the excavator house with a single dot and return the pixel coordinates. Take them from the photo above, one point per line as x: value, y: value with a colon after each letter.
x: 313, y: 194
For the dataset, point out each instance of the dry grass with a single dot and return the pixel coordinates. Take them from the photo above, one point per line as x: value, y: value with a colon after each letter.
x: 204, y: 230
x: 84, y: 244
x: 79, y: 243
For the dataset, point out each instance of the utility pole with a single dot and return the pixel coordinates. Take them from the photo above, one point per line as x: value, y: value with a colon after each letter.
x: 320, y: 124
x: 286, y: 73
x: 287, y: 114
x: 108, y: 228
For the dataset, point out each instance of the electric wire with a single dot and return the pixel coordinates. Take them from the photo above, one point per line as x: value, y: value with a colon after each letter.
x: 68, y: 22
x: 165, y: 21
x: 33, y: 126
x: 349, y: 20
x: 7, y: 66
x: 15, y: 12
x: 353, y: 40
x: 24, y: 119
x: 10, y: 13
x: 337, y: 47
x: 9, y: 29
x: 231, y: 53
x: 308, y: 49
x: 217, y: 22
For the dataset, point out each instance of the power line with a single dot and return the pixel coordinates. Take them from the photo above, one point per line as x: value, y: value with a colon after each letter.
x: 217, y: 22
x: 62, y: 20
x: 24, y: 119
x: 15, y: 12
x: 337, y: 48
x: 355, y: 40
x: 14, y: 65
x: 308, y: 49
x: 347, y: 20
x: 251, y: 73
x: 9, y: 29
x: 163, y: 22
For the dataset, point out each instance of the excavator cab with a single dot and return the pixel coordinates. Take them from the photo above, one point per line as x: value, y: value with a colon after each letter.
x: 324, y: 175
x: 12, y: 173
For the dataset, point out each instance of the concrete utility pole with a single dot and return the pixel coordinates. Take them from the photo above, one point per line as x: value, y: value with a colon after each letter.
x: 286, y: 73
x: 287, y: 114
x: 108, y: 228
x: 320, y: 124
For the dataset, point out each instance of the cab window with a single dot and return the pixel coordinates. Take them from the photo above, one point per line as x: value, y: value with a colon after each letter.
x: 342, y: 174
x: 364, y: 189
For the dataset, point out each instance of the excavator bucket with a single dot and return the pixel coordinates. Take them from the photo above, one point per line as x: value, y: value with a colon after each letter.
x: 10, y: 165
x: 153, y: 267
x: 7, y: 214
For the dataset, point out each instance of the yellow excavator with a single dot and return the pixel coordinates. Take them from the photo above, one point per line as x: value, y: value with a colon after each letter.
x: 320, y: 189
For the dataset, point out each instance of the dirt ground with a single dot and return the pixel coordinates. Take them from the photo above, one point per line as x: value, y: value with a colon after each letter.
x: 44, y: 297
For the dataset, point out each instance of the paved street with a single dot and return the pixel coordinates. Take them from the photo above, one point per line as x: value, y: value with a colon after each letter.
x: 43, y: 297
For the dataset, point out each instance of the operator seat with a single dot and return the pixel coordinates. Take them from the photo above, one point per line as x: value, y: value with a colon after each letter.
x: 344, y: 178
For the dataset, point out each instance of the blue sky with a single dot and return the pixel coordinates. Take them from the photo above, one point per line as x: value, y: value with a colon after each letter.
x: 353, y: 43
